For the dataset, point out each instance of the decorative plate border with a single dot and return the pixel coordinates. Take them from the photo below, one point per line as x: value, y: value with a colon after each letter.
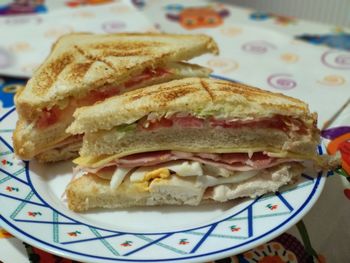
x: 18, y: 181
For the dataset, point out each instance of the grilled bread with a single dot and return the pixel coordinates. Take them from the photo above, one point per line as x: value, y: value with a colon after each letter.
x: 79, y: 63
x: 104, y: 124
x: 85, y: 68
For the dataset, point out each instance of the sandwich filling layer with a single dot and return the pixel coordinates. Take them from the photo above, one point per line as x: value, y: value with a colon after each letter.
x: 209, y: 173
x: 283, y: 136
x: 207, y: 169
x: 175, y: 182
x: 287, y: 124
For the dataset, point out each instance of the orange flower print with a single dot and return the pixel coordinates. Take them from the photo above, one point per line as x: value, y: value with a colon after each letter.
x: 197, y: 17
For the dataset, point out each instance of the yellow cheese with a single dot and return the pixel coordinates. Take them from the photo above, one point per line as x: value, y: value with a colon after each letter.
x: 98, y: 161
x: 94, y: 161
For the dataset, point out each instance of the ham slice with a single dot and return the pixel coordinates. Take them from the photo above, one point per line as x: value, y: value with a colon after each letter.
x: 229, y: 161
x: 145, y: 159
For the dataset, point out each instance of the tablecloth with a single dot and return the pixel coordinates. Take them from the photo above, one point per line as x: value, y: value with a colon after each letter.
x: 299, y: 58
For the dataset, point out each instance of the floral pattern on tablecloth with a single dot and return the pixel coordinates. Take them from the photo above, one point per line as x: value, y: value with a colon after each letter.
x: 185, y: 16
x: 23, y: 7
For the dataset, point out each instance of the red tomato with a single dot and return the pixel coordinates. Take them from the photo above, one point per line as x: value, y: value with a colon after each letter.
x: 98, y: 95
x: 146, y: 75
x: 188, y: 122
x: 48, y: 117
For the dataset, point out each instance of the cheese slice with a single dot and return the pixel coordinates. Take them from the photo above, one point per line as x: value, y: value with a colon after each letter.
x: 94, y: 161
x: 99, y: 161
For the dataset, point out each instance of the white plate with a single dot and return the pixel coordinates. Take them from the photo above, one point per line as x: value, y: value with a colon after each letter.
x: 31, y: 208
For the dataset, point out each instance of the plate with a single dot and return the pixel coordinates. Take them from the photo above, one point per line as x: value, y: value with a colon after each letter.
x: 32, y: 209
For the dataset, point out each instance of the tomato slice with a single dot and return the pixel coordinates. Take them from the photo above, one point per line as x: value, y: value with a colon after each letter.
x: 146, y: 75
x: 48, y: 117
x: 188, y: 122
x: 277, y: 122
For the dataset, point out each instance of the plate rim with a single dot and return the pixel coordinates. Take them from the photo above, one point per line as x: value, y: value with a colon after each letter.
x: 310, y: 200
x: 239, y: 248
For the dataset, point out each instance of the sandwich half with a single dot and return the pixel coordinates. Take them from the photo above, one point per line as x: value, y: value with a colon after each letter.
x: 189, y: 141
x: 85, y: 68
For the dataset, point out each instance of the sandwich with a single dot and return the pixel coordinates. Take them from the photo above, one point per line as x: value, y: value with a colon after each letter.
x: 83, y: 69
x: 187, y: 142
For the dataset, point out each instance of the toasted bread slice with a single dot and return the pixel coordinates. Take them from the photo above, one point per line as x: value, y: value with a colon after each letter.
x: 110, y: 132
x: 90, y: 191
x: 30, y: 141
x: 197, y: 96
x: 79, y: 63
x: 105, y: 146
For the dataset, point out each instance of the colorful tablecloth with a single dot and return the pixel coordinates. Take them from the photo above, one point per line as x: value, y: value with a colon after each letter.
x: 299, y: 58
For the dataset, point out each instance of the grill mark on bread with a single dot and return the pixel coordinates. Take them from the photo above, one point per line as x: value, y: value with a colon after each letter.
x: 95, y: 58
x: 234, y: 90
x: 161, y: 48
x: 207, y: 89
x: 124, y: 46
x: 253, y: 93
x: 245, y: 89
x: 160, y: 92
x: 126, y: 53
x: 173, y: 94
x: 127, y: 49
x: 284, y: 107
x: 79, y: 71
x: 49, y: 74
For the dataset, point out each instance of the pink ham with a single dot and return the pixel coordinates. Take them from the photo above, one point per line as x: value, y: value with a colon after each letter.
x: 145, y: 159
x: 229, y: 161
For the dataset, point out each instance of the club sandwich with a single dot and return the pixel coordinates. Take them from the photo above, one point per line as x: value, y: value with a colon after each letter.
x: 83, y: 69
x: 187, y: 142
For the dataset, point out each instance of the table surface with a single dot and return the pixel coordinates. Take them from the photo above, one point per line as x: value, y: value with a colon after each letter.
x: 246, y: 37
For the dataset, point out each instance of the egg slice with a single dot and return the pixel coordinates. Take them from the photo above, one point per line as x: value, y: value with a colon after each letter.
x: 118, y: 177
x: 181, y: 168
